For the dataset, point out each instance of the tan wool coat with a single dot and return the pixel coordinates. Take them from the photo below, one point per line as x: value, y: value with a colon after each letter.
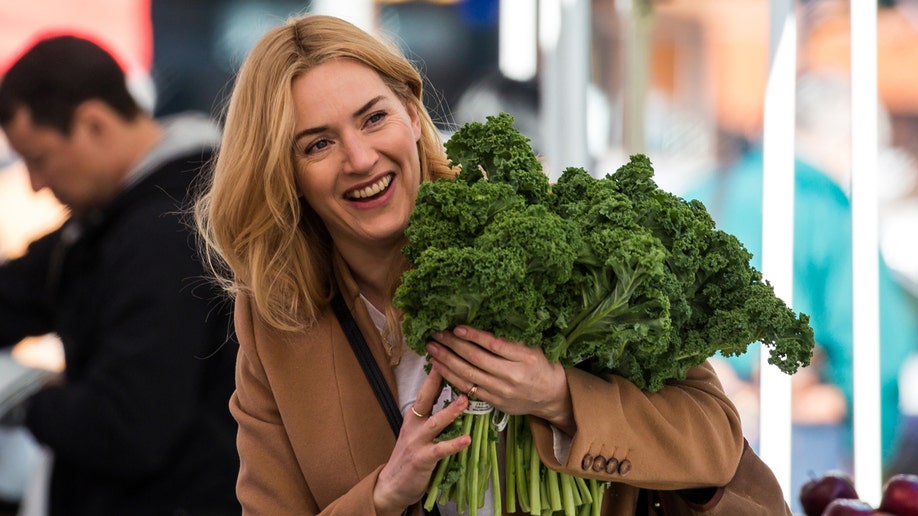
x: 312, y: 437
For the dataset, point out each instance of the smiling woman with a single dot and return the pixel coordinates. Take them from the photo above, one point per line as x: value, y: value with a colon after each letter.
x: 326, y: 143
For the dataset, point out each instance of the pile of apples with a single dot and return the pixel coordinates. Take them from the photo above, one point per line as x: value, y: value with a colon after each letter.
x: 833, y: 494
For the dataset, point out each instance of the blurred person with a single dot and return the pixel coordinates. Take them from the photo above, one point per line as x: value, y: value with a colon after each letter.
x: 326, y: 143
x: 822, y: 392
x: 137, y: 423
x: 24, y: 215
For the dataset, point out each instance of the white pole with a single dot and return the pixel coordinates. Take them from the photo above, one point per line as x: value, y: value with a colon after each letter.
x: 564, y: 40
x: 637, y: 17
x: 778, y: 229
x: 361, y: 13
x: 518, y: 52
x: 864, y: 258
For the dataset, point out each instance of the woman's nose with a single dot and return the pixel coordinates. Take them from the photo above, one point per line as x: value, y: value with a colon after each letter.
x: 360, y: 155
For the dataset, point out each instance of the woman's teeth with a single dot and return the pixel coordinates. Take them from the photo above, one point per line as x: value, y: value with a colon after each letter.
x: 371, y: 190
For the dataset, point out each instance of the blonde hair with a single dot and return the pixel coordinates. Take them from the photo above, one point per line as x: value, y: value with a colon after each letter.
x: 258, y: 236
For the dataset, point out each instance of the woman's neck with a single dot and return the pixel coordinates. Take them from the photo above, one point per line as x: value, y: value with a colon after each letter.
x: 375, y: 270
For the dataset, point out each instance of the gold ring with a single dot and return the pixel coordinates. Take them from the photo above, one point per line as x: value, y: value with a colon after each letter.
x: 416, y: 413
x: 472, y: 391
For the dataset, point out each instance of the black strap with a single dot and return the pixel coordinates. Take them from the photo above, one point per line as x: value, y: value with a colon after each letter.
x: 367, y: 363
x: 370, y: 369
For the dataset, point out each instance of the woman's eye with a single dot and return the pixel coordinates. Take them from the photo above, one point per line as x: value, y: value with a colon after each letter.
x: 316, y: 146
x: 376, y: 117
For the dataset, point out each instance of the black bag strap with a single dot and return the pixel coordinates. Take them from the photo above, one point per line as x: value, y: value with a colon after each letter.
x: 367, y: 363
x: 370, y: 369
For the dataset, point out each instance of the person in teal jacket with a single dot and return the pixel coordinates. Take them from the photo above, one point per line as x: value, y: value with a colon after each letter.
x: 822, y: 276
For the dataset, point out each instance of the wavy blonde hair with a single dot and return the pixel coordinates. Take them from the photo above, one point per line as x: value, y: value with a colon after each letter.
x: 258, y: 236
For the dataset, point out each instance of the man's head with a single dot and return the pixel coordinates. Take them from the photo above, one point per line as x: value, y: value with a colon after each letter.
x: 60, y: 104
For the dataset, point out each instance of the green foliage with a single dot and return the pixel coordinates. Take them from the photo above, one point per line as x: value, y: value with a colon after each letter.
x: 613, y: 272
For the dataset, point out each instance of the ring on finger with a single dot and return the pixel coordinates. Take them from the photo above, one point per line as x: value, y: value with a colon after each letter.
x: 416, y: 413
x: 472, y: 391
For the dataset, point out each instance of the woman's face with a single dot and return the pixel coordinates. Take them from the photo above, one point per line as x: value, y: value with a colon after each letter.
x: 356, y: 155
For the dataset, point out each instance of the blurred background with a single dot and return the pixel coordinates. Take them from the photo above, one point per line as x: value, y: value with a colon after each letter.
x: 683, y: 81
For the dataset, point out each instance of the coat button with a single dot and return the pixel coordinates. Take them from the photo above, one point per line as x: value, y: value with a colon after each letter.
x: 599, y: 463
x: 587, y: 462
x: 625, y: 467
x: 612, y: 466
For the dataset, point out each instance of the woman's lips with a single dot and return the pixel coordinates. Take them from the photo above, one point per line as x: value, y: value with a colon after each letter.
x: 370, y: 191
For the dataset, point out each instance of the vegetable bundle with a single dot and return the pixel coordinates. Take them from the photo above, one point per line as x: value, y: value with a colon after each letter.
x: 613, y: 274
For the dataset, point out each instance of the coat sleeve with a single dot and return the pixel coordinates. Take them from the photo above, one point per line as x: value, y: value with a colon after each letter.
x: 270, y: 478
x: 24, y: 308
x: 686, y: 435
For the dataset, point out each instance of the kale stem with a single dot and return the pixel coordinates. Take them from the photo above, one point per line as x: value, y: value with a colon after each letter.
x: 585, y: 495
x: 495, y: 478
x: 535, y: 494
x: 554, y: 491
x: 597, y: 489
x: 567, y: 494
x: 463, y: 462
x: 510, y: 452
x: 522, y: 456
x: 435, y: 482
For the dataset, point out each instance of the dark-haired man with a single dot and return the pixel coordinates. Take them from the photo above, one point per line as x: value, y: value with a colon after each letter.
x: 139, y: 423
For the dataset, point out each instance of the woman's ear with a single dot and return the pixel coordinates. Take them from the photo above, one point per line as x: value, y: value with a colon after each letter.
x: 415, y: 121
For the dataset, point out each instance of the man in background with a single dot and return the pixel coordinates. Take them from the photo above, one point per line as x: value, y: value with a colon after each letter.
x: 138, y: 423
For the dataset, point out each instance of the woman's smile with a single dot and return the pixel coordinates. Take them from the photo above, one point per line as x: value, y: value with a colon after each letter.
x: 371, y: 192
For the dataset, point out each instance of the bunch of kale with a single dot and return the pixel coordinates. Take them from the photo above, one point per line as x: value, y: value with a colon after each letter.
x: 614, y: 272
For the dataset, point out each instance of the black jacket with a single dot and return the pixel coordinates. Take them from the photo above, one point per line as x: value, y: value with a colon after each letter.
x: 141, y: 426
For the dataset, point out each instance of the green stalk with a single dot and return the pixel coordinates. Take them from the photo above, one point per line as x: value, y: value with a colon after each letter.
x: 434, y: 488
x: 554, y: 492
x: 510, y: 466
x: 522, y: 455
x: 484, y: 466
x: 495, y: 478
x: 535, y: 500
x: 584, y: 490
x: 575, y: 490
x: 472, y: 478
x: 597, y: 489
x: 463, y: 462
x: 543, y: 492
x: 567, y: 494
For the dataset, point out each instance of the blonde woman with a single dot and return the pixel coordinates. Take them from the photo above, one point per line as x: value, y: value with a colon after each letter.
x: 326, y: 142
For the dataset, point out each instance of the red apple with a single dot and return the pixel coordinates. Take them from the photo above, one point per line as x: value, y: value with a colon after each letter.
x: 816, y: 494
x: 848, y: 507
x: 900, y: 495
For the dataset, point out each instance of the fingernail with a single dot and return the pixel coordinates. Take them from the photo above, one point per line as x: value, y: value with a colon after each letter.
x: 437, y: 336
x: 460, y: 332
x: 432, y: 348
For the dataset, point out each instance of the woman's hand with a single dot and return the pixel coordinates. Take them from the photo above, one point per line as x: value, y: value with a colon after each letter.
x: 511, y: 376
x: 404, y: 479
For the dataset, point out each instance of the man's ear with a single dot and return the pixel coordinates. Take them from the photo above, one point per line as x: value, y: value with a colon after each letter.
x: 93, y: 117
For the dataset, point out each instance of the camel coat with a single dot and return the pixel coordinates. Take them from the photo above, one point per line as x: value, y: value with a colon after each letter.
x: 312, y: 437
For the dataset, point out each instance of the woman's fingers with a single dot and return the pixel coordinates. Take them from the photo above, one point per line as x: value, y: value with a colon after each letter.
x: 514, y: 377
x: 474, y: 361
x: 427, y: 395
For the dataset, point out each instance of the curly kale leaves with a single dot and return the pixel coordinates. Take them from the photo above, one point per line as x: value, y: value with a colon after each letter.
x: 613, y: 272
